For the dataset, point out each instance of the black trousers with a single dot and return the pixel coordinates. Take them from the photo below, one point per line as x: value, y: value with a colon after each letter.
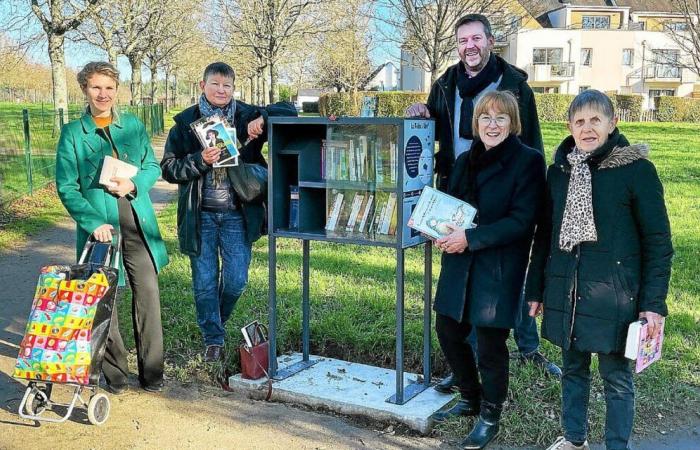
x: 145, y: 309
x: 492, y: 354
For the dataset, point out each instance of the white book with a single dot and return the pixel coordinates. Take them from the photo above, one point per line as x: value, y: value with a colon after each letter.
x: 335, y: 212
x: 354, y: 211
x: 115, y: 168
x: 366, y: 212
x: 392, y: 156
x: 390, y: 208
x: 435, y: 210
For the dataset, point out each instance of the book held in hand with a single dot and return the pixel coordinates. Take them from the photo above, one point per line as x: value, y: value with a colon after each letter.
x: 641, y: 347
x: 115, y: 168
x: 215, y: 131
x: 435, y: 210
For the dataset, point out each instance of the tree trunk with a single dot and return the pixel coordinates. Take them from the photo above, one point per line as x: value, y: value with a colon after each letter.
x: 263, y: 93
x: 136, y: 61
x: 274, y: 77
x: 58, y: 73
x: 112, y: 56
x: 167, y: 85
x: 256, y: 97
x: 154, y: 75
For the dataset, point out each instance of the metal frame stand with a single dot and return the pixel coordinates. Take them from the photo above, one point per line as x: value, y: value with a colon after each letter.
x: 403, y: 393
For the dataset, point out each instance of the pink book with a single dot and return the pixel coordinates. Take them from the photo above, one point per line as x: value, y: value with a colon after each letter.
x: 641, y: 347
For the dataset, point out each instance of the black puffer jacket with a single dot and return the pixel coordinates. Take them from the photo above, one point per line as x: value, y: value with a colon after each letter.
x: 441, y: 104
x: 182, y: 164
x: 593, y: 293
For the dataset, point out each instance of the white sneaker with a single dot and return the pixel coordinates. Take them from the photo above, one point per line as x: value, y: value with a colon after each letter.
x: 562, y: 444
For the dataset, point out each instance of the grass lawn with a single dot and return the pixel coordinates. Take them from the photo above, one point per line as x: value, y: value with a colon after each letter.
x: 352, y: 298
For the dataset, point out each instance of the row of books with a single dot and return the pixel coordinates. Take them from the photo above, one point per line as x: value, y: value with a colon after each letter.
x: 368, y: 214
x: 363, y: 158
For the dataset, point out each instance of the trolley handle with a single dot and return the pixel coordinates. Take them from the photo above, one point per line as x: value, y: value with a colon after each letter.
x: 112, y: 251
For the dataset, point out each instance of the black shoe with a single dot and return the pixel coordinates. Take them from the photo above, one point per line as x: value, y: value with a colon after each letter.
x: 213, y: 353
x: 542, y: 362
x: 485, y: 429
x: 462, y: 408
x: 116, y: 389
x: 153, y: 387
x: 447, y: 385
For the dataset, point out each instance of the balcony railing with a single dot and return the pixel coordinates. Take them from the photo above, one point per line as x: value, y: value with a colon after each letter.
x: 551, y: 72
x: 663, y: 72
x: 564, y: 70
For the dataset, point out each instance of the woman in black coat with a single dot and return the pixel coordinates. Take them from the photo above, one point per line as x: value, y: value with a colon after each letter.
x: 483, y: 269
x: 601, y: 260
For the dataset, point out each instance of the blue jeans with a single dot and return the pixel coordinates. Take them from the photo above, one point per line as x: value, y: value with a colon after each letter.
x: 616, y: 372
x: 525, y: 332
x: 216, y: 287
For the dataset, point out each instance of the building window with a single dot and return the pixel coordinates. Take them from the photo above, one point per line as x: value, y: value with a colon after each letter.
x: 676, y: 26
x: 583, y: 88
x: 654, y: 93
x: 545, y: 89
x: 547, y: 56
x: 586, y: 56
x: 627, y: 56
x: 666, y: 64
x: 595, y: 22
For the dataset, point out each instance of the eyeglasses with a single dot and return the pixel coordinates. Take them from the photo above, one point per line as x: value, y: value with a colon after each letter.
x: 486, y: 120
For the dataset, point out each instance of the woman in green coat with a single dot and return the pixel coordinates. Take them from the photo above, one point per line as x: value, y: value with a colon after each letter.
x: 601, y: 260
x: 124, y: 206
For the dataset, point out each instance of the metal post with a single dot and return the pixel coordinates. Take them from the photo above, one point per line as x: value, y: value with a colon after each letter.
x: 427, y: 313
x: 27, y: 150
x: 61, y: 119
x: 399, y: 324
x: 272, y: 311
x: 305, y: 300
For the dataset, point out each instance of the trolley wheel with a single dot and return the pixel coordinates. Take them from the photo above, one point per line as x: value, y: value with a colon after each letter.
x: 37, y: 401
x: 98, y: 409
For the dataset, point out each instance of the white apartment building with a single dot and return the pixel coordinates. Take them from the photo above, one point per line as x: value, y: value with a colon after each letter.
x: 613, y: 46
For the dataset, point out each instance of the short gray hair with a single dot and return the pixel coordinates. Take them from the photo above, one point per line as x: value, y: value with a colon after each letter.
x: 591, y: 98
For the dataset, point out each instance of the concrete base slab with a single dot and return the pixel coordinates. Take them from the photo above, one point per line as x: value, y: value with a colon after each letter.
x: 352, y: 389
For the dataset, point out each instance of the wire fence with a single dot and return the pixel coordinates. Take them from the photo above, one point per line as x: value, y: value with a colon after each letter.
x: 28, y: 138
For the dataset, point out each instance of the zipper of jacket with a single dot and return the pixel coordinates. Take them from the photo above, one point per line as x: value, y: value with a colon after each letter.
x: 574, y: 293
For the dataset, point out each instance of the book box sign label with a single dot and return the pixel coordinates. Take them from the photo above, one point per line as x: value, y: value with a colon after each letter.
x: 414, y: 148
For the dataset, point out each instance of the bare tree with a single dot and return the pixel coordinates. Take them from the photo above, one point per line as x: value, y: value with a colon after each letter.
x: 270, y: 27
x: 686, y: 33
x: 426, y: 27
x: 100, y: 29
x: 57, y: 17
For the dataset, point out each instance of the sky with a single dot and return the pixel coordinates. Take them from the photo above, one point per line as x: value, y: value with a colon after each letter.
x: 78, y: 54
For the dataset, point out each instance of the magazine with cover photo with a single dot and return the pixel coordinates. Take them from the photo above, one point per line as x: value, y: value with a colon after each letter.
x: 435, y: 210
x: 214, y: 131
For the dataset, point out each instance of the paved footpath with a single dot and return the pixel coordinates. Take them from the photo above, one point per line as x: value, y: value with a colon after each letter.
x: 184, y: 416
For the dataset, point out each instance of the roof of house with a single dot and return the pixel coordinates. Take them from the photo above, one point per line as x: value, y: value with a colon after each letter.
x: 540, y: 8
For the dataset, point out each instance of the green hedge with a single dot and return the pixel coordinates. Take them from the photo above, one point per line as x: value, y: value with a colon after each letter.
x: 631, y: 103
x: 553, y: 107
x: 309, y: 107
x: 677, y: 109
x: 389, y: 104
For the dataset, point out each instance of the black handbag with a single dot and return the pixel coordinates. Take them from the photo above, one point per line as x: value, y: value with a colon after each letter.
x: 249, y: 181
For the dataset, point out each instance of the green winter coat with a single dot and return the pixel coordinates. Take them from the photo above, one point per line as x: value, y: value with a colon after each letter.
x: 594, y: 292
x: 81, y: 151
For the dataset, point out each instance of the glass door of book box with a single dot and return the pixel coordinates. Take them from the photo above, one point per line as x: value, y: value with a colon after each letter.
x: 359, y: 167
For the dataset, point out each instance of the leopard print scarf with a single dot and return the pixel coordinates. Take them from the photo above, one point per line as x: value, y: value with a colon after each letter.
x: 578, y: 224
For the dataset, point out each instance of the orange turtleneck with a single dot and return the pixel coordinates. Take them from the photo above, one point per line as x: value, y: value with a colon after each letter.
x: 102, y: 122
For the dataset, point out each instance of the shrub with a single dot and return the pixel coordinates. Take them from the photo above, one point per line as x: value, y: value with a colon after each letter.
x: 632, y: 104
x: 553, y: 107
x: 677, y: 109
x: 389, y: 104
x: 309, y: 107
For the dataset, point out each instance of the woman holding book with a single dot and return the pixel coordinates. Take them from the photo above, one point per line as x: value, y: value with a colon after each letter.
x: 123, y: 206
x: 483, y: 268
x: 601, y: 260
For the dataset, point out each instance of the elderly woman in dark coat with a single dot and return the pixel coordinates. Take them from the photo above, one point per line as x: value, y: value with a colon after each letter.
x: 601, y: 260
x: 483, y: 269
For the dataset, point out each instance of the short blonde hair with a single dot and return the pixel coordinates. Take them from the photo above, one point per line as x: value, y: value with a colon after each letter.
x: 502, y: 101
x: 97, y: 67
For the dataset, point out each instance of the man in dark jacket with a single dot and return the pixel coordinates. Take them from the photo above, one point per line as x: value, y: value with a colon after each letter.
x: 212, y: 221
x: 451, y: 103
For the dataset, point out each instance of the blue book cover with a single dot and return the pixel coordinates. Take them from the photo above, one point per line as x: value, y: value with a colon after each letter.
x: 294, y: 208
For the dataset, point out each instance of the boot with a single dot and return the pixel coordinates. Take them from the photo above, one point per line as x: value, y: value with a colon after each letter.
x: 464, y: 407
x: 447, y: 385
x: 485, y: 428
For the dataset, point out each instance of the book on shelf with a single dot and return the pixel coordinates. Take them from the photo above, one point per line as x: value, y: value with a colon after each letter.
x: 354, y: 212
x: 389, y: 212
x: 345, y: 211
x: 116, y: 168
x: 365, y: 212
x: 334, y: 211
x: 294, y: 208
x: 435, y: 210
x: 378, y: 161
x: 641, y: 347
